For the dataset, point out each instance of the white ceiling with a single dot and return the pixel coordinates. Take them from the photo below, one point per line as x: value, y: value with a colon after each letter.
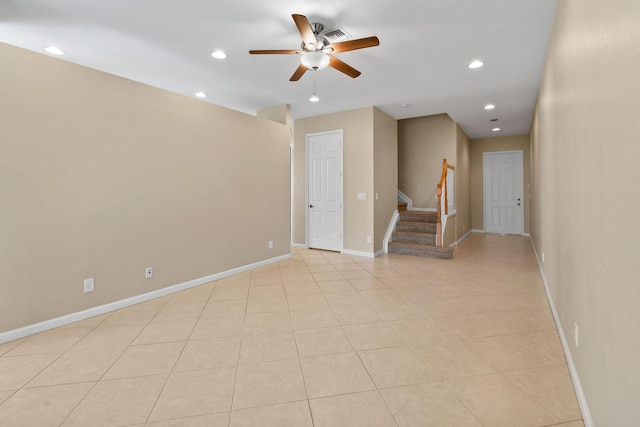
x: 425, y: 46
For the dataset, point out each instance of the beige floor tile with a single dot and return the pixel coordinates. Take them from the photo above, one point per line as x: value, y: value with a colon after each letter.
x: 428, y: 405
x: 297, y: 277
x: 91, y: 322
x: 210, y: 420
x: 319, y: 341
x: 229, y: 293
x: 381, y: 295
x: 495, y: 401
x: 334, y: 374
x: 267, y: 304
x: 327, y: 275
x: 365, y: 409
x: 267, y: 347
x: 356, y: 274
x: 307, y: 302
x: 396, y: 310
x: 193, y: 393
x: 370, y: 283
x: 503, y: 354
x: 419, y: 332
x: 367, y: 336
x: 4, y: 395
x: 118, y: 402
x: 209, y: 353
x: 4, y: 348
x: 266, y: 291
x: 16, y: 371
x: 306, y: 319
x: 165, y: 331
x: 216, y: 308
x: 324, y: 267
x: 355, y: 314
x: 149, y: 359
x: 546, y: 345
x: 219, y: 326
x: 139, y: 313
x: 181, y: 309
x: 268, y: 279
x: 335, y: 286
x: 264, y: 323
x: 451, y: 359
x: 552, y: 387
x: 577, y: 423
x: 301, y: 288
x: 42, y: 406
x: 78, y: 366
x: 268, y: 383
x: 342, y: 299
x: 396, y: 366
x: 478, y: 325
x: 109, y: 336
x: 54, y: 341
x: 293, y: 414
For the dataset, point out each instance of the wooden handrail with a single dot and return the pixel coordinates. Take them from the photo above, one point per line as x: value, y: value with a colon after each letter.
x: 442, y: 187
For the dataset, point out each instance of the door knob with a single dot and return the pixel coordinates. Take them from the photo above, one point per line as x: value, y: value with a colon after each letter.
x: 310, y: 206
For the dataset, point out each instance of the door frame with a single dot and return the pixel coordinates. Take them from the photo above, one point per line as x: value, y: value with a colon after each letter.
x: 306, y: 187
x: 485, y: 181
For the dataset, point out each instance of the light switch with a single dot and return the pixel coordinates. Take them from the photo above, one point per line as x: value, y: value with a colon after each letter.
x: 362, y: 196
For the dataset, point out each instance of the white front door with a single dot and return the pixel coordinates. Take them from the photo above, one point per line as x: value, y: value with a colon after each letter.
x: 503, y: 200
x: 324, y: 193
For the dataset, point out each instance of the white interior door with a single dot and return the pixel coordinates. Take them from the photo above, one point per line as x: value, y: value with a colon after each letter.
x: 324, y: 193
x: 503, y: 200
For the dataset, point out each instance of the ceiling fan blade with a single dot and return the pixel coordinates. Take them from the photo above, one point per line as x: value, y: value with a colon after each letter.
x: 298, y: 73
x: 276, y: 51
x: 355, y: 44
x: 305, y: 29
x: 343, y: 67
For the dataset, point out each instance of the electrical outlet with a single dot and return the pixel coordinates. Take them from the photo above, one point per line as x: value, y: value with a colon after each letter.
x: 369, y: 239
x: 270, y: 244
x: 88, y: 285
x: 148, y: 272
x: 543, y: 256
x: 575, y: 333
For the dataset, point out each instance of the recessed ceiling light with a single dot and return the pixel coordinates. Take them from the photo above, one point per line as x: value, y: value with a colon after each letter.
x: 489, y: 107
x: 476, y: 64
x: 201, y: 94
x: 54, y: 50
x: 496, y: 129
x: 314, y: 98
x: 218, y: 54
x: 404, y: 105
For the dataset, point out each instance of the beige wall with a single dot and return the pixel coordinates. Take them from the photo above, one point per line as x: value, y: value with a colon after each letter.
x: 487, y: 145
x: 462, y: 184
x: 385, y: 168
x: 101, y: 177
x: 422, y: 144
x: 585, y: 191
x: 357, y: 127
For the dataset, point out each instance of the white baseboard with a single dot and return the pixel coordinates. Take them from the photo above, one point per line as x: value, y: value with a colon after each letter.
x: 580, y: 396
x: 116, y: 305
x: 300, y: 245
x: 477, y: 230
x: 380, y: 252
x: 358, y: 253
x: 460, y: 240
x: 405, y: 199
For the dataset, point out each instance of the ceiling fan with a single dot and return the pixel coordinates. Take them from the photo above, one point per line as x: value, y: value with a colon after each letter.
x: 318, y: 52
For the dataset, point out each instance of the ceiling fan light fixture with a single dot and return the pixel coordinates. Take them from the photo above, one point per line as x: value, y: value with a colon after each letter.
x: 315, y: 60
x: 476, y: 64
x: 54, y: 50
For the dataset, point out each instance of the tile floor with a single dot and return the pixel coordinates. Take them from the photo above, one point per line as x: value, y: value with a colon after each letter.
x: 322, y: 339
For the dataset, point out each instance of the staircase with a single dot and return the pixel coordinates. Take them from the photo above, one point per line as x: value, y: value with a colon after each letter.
x: 416, y: 235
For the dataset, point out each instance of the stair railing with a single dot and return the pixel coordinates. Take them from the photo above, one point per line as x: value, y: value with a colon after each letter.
x: 443, y: 203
